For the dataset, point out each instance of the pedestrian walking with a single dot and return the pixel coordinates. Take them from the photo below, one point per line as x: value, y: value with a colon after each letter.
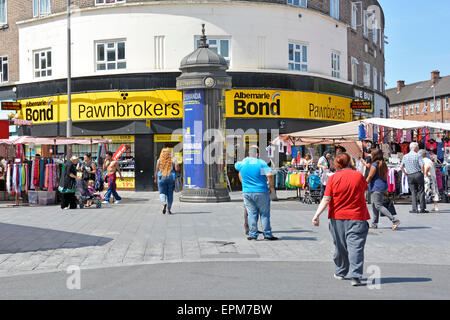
x: 413, y: 166
x: 348, y: 217
x: 87, y: 168
x: 257, y: 185
x: 377, y: 180
x: 112, y: 167
x: 431, y: 187
x: 67, y: 184
x: 324, y: 170
x: 166, y: 168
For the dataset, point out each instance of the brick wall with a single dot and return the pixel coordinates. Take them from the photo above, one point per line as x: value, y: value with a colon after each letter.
x: 441, y: 116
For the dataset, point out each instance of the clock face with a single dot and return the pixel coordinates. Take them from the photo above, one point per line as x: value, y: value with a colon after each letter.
x: 209, y: 82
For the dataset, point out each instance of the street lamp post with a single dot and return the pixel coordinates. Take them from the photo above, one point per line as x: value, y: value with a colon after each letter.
x: 434, y: 102
x: 69, y: 75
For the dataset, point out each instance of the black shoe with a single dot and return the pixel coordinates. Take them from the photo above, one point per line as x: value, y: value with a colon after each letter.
x: 251, y: 238
x: 164, y: 209
x: 260, y: 232
x: 246, y: 233
x: 424, y: 211
x: 356, y: 282
x: 413, y: 211
x: 270, y: 238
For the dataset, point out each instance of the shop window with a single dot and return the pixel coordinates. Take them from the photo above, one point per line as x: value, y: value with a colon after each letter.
x: 298, y: 57
x: 218, y: 45
x: 3, y: 69
x: 335, y: 65
x: 41, y: 8
x: 97, y: 2
x: 42, y: 63
x: 298, y: 3
x: 110, y: 55
x: 3, y: 12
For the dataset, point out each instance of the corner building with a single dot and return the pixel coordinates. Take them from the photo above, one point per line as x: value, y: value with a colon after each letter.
x: 295, y: 65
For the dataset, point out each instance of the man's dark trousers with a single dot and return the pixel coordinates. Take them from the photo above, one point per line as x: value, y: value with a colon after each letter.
x: 417, y: 186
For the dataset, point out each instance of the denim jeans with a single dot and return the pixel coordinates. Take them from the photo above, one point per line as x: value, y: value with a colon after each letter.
x: 112, y: 190
x: 258, y: 204
x: 166, y: 187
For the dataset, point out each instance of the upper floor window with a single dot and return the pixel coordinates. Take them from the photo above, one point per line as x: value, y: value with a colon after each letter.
x: 3, y: 12
x: 354, y: 16
x: 42, y: 63
x: 425, y: 107
x: 446, y: 103
x: 218, y: 45
x: 334, y: 8
x: 438, y: 105
x: 365, y: 24
x: 108, y: 1
x: 417, y: 108
x: 375, y: 79
x: 41, y: 7
x: 3, y: 69
x: 375, y: 35
x: 406, y: 110
x: 400, y: 108
x: 366, y: 74
x: 110, y: 55
x: 355, y: 63
x: 298, y: 57
x: 298, y: 3
x: 335, y: 65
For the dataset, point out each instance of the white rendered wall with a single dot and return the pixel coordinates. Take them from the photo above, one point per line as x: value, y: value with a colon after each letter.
x: 252, y: 27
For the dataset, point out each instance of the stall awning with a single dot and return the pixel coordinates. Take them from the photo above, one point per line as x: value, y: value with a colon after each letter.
x: 52, y: 141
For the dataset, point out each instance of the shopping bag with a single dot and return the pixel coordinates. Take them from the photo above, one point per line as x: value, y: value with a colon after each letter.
x: 178, y: 183
x: 388, y: 204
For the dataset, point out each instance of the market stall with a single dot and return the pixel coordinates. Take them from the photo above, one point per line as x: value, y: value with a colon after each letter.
x: 34, y: 177
x: 392, y: 136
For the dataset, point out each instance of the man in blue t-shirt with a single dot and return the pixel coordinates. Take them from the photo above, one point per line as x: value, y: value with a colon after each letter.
x: 255, y: 174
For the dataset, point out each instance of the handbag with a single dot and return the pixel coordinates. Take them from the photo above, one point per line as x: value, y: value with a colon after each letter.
x: 388, y: 204
x: 178, y: 183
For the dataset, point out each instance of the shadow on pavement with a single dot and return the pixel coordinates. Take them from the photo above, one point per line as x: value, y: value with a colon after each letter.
x: 400, y: 228
x: 19, y: 239
x: 291, y: 231
x: 403, y: 280
x: 296, y: 238
x: 191, y: 212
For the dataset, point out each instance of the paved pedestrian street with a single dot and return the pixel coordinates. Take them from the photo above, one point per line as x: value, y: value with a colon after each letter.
x: 45, y: 239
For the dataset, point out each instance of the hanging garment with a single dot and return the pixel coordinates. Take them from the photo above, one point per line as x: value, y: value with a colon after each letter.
x: 408, y: 137
x: 440, y: 185
x: 8, y: 179
x: 294, y: 152
x: 281, y: 146
x: 33, y: 164
x: 361, y: 132
x: 405, y: 184
x: 41, y: 173
x: 440, y: 151
x: 289, y: 148
x: 391, y: 180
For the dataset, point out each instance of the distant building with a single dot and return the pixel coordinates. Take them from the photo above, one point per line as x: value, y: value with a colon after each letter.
x: 425, y: 101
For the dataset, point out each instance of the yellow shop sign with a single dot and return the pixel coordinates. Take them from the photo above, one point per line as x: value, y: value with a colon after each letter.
x: 287, y: 104
x: 114, y: 105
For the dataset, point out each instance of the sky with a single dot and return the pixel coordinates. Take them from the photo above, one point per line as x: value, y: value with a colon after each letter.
x: 419, y: 39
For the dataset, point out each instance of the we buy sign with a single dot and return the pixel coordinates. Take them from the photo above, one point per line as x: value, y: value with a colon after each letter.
x: 119, y: 152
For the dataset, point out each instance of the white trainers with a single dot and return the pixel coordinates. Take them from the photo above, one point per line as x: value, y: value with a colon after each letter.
x: 105, y: 202
x: 117, y: 201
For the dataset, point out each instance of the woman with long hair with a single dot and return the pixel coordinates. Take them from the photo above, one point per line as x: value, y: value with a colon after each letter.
x: 377, y: 180
x: 166, y: 169
x: 348, y: 215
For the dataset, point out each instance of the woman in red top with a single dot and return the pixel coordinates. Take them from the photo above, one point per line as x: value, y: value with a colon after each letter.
x: 348, y: 216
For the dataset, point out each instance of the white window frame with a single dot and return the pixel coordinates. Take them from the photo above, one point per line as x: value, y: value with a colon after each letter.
x: 335, y: 64
x: 417, y: 108
x: 438, y: 105
x: 375, y: 33
x: 400, y: 111
x: 432, y: 106
x: 4, y: 78
x: 365, y: 26
x: 37, y: 8
x: 216, y: 47
x: 354, y: 22
x: 425, y: 107
x: 300, y: 48
x: 354, y: 66
x: 5, y: 12
x: 42, y: 57
x: 411, y: 108
x: 119, y: 64
x: 375, y: 78
x: 406, y: 110
x: 334, y: 9
x: 446, y: 103
x: 104, y: 2
x: 298, y: 3
x: 366, y: 74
